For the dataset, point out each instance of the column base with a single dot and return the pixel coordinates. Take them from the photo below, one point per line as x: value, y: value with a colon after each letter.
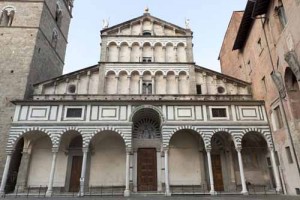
x: 279, y: 190
x: 168, y: 194
x: 126, y: 193
x: 81, y: 194
x: 212, y: 192
x: 2, y: 194
x: 49, y: 193
x: 245, y: 192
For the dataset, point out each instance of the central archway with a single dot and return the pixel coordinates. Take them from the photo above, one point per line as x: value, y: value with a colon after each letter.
x: 147, y: 143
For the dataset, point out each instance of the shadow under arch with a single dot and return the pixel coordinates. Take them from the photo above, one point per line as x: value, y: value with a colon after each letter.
x: 222, y: 154
x: 107, y: 160
x: 187, y: 160
x: 256, y: 159
x: 71, y: 144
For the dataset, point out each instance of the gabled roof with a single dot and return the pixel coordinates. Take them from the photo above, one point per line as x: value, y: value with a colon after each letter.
x: 253, y: 9
x: 71, y: 74
x: 197, y: 67
x: 143, y: 17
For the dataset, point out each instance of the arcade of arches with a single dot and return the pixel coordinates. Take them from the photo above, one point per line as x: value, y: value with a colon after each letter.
x: 224, y: 164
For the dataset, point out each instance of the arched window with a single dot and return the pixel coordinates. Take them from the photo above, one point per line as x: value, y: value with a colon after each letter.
x: 58, y: 14
x: 55, y: 38
x: 7, y: 16
x: 280, y: 11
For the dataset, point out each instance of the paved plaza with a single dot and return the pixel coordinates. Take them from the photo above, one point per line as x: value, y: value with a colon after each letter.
x: 220, y: 197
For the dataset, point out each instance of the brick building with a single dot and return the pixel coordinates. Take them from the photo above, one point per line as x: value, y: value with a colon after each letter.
x: 262, y: 47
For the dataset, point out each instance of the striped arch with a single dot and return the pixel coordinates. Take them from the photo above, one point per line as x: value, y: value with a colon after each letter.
x: 87, y: 138
x: 168, y: 138
x: 162, y: 118
x: 264, y: 132
x: 237, y: 138
x: 209, y: 136
x: 70, y: 128
x: 15, y: 134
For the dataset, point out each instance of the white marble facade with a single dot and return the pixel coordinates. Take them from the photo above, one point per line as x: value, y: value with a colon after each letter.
x: 146, y: 94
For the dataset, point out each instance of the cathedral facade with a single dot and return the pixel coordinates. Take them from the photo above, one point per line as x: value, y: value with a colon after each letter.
x: 146, y: 118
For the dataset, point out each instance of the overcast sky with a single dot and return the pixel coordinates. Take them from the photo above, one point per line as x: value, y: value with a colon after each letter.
x: 208, y: 20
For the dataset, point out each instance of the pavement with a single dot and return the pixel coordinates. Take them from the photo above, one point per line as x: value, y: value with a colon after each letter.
x: 156, y: 197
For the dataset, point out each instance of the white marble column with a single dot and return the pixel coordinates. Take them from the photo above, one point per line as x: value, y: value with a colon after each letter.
x: 167, y: 183
x: 83, y: 171
x: 243, y: 180
x: 275, y: 170
x: 52, y: 172
x: 127, y: 189
x: 5, y: 174
x: 210, y: 170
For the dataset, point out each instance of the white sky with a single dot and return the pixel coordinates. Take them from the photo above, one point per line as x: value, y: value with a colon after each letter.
x: 208, y: 20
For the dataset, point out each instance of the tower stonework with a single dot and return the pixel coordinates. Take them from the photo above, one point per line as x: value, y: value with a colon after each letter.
x: 33, y: 40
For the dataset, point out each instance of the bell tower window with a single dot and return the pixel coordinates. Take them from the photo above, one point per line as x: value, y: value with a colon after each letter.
x: 7, y: 16
x: 58, y: 14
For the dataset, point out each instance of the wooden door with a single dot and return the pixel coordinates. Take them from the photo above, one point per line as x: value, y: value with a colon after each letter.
x: 217, y: 171
x: 147, y: 170
x: 75, y: 174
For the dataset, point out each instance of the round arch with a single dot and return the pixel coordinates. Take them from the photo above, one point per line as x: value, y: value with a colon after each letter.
x: 154, y: 108
x: 87, y: 140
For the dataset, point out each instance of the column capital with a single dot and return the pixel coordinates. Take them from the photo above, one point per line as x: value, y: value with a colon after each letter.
x: 85, y: 149
x: 128, y: 150
x: 208, y: 149
x: 272, y: 148
x: 9, y: 152
x: 238, y: 149
x: 55, y: 150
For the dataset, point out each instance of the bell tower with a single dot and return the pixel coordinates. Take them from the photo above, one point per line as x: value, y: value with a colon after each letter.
x: 33, y: 40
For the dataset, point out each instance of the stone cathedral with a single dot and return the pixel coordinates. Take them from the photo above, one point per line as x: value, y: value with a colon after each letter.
x: 145, y: 119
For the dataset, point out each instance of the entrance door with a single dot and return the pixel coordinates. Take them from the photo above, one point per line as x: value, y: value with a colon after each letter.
x: 75, y: 174
x: 147, y: 170
x: 217, y: 171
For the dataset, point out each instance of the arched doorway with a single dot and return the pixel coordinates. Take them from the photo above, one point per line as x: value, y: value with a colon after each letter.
x: 293, y: 91
x: 222, y: 163
x: 257, y: 162
x: 71, y: 142
x: 147, y: 143
x: 187, y: 161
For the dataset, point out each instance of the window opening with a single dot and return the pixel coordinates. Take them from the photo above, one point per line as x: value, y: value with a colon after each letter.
x: 219, y: 112
x: 278, y: 117
x: 199, y: 89
x: 7, y: 16
x: 289, y: 155
x: 74, y: 112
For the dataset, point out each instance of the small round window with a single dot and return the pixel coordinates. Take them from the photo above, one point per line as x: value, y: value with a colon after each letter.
x: 72, y: 89
x: 221, y: 90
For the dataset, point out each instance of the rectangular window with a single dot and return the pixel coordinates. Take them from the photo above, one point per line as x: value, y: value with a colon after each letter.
x: 278, y: 117
x: 219, y: 112
x: 74, y: 113
x: 199, y: 89
x: 289, y: 154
